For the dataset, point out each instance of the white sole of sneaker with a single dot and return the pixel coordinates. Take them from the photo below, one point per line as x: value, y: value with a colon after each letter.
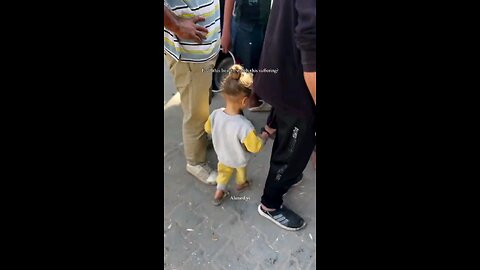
x: 277, y: 223
x: 211, y: 180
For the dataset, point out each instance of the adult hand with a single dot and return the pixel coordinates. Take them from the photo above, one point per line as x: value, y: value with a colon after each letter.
x: 226, y: 41
x: 187, y: 29
x: 264, y: 136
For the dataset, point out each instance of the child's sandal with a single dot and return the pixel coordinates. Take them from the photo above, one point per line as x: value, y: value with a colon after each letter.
x: 217, y: 202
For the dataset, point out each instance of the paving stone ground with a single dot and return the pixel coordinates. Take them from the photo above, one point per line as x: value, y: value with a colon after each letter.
x: 198, y: 235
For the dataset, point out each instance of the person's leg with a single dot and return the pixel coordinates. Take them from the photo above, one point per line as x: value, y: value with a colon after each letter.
x: 290, y: 154
x: 291, y: 151
x: 194, y: 87
x: 242, y: 47
x: 241, y: 178
x: 224, y: 174
x: 233, y: 35
x: 196, y: 108
x: 247, y: 46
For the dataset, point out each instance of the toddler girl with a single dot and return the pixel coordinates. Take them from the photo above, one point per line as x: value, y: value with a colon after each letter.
x: 233, y: 135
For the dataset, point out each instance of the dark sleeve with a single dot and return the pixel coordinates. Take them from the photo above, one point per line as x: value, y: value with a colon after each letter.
x: 306, y: 33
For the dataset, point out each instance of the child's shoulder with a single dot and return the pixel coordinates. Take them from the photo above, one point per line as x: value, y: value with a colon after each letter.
x: 245, y: 122
x: 245, y: 126
x: 218, y: 110
x: 215, y: 112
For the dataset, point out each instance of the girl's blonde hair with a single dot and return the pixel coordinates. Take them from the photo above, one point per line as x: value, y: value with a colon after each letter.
x: 238, y: 82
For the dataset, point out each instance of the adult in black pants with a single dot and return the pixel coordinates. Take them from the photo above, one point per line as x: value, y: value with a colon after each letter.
x: 290, y: 49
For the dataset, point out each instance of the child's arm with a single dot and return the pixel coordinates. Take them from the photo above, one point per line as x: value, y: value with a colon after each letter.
x: 208, y: 126
x: 254, y: 143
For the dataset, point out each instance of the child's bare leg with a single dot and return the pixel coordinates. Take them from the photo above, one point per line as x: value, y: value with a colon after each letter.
x: 219, y: 194
x: 222, y: 182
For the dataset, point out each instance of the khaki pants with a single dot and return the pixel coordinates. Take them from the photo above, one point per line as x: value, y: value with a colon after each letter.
x: 194, y: 87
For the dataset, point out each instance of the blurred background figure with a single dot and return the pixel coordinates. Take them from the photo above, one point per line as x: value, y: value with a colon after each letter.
x: 244, y: 26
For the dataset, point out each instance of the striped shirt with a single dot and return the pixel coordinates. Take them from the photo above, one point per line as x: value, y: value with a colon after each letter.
x: 188, y: 50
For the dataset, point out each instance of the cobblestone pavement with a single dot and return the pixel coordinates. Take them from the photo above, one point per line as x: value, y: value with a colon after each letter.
x: 198, y: 235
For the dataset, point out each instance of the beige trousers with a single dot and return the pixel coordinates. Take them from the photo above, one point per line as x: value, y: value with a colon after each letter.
x: 194, y: 86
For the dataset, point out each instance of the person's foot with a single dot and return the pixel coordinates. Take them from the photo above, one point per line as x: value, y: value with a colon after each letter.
x: 283, y: 217
x: 263, y: 107
x: 203, y: 173
x: 243, y: 186
x: 219, y: 197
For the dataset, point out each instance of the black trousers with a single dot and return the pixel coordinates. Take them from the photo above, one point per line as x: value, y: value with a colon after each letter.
x: 292, y: 148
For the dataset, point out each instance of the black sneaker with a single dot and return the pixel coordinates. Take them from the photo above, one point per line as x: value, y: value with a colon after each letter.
x: 284, y: 218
